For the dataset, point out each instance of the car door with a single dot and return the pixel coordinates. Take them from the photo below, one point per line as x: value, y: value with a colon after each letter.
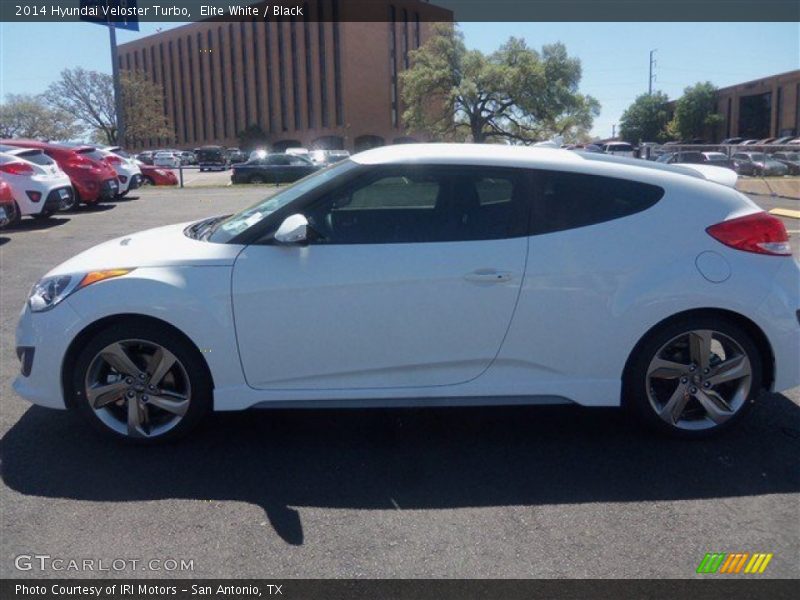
x: 412, y: 282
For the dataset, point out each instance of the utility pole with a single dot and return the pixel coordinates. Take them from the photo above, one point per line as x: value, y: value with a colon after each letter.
x: 614, y: 130
x: 652, y: 75
x: 112, y: 34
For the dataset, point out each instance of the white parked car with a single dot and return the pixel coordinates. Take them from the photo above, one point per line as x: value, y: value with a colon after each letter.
x: 618, y: 149
x: 430, y: 275
x: 38, y: 184
x: 126, y: 167
x: 166, y: 159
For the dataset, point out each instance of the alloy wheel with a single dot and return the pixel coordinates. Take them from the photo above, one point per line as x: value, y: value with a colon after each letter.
x: 699, y: 380
x: 138, y: 388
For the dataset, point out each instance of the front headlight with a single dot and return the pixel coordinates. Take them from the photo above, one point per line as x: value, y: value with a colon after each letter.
x: 49, y: 291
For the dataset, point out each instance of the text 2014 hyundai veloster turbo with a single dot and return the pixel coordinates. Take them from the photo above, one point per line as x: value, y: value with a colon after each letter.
x: 431, y: 275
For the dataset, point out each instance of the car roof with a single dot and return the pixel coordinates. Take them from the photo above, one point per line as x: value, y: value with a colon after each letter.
x: 499, y: 155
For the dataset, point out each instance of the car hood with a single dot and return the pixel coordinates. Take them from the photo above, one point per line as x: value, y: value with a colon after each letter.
x: 161, y: 247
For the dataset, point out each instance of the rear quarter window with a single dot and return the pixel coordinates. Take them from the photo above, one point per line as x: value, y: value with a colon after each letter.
x: 35, y: 156
x: 571, y: 200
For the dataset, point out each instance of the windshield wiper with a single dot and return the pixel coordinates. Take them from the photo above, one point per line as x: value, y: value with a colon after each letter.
x: 210, y: 226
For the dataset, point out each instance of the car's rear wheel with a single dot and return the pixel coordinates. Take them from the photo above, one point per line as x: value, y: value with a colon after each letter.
x: 141, y: 383
x: 13, y: 215
x: 694, y: 377
x: 146, y: 180
x: 256, y: 179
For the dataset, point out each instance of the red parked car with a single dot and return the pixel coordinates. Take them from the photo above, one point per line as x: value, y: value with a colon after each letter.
x: 93, y: 180
x: 7, y: 206
x: 157, y: 175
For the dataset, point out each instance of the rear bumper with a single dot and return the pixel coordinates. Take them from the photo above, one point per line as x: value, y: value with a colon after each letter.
x: 779, y: 318
x: 93, y: 190
x: 57, y: 197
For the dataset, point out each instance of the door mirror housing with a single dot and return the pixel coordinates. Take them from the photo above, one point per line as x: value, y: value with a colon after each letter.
x: 293, y: 230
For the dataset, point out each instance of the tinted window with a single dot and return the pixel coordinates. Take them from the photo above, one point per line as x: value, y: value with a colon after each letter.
x: 570, y: 200
x: 36, y: 156
x: 422, y: 204
x: 92, y: 153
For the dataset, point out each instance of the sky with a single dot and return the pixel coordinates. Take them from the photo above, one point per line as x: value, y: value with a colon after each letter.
x: 614, y: 56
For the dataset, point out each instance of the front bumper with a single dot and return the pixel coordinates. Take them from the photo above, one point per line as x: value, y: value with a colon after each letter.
x: 42, y: 340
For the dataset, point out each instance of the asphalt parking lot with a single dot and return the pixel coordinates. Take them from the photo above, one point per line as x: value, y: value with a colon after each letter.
x: 502, y: 492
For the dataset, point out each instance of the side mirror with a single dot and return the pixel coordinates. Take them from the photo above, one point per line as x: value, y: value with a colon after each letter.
x: 293, y: 230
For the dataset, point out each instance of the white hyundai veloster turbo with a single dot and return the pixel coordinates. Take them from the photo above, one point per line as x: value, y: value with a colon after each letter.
x: 431, y: 275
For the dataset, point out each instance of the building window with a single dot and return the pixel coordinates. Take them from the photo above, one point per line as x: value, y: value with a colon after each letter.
x: 730, y: 117
x: 309, y: 86
x: 232, y: 69
x: 337, y: 66
x: 245, y: 68
x: 282, y: 77
x: 223, y: 83
x: 136, y: 60
x: 405, y: 38
x: 778, y: 109
x: 211, y: 80
x: 182, y: 79
x: 174, y: 79
x: 257, y: 69
x: 201, y: 67
x: 393, y: 62
x: 416, y: 30
x: 323, y: 73
x: 298, y: 124
x: 192, y: 91
x: 270, y: 97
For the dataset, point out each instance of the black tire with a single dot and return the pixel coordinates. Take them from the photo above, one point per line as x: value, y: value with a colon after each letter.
x: 123, y: 194
x: 146, y: 180
x: 635, y: 383
x: 257, y: 179
x: 14, y: 217
x: 201, y: 398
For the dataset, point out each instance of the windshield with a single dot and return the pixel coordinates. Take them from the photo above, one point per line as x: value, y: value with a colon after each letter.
x: 236, y: 224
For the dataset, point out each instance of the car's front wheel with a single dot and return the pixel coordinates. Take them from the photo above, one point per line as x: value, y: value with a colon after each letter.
x: 694, y: 377
x: 140, y: 382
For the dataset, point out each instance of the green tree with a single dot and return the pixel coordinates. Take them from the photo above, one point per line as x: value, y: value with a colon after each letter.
x: 515, y: 93
x: 143, y: 106
x: 29, y: 116
x: 646, y: 119
x: 89, y: 96
x: 695, y: 112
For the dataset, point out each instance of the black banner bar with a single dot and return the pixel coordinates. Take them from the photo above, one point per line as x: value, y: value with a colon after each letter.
x: 714, y: 587
x: 377, y: 10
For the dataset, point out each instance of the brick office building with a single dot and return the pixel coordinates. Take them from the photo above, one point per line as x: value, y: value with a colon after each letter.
x: 303, y: 81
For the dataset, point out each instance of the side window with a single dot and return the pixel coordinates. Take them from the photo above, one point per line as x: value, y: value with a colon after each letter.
x: 572, y: 200
x: 422, y: 204
x: 296, y: 161
x: 278, y: 160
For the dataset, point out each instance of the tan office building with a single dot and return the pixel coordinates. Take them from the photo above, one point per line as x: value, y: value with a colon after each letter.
x: 303, y: 81
x: 762, y: 108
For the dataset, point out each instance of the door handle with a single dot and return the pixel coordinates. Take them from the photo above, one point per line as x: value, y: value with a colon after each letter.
x: 489, y: 276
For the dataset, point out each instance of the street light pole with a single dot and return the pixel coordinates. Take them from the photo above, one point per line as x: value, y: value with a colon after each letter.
x: 112, y: 33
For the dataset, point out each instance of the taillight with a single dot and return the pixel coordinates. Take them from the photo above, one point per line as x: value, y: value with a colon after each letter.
x: 17, y: 168
x: 760, y: 233
x: 81, y: 163
x: 34, y: 196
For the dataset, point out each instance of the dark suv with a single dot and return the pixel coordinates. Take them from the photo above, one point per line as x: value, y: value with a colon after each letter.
x: 212, y: 157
